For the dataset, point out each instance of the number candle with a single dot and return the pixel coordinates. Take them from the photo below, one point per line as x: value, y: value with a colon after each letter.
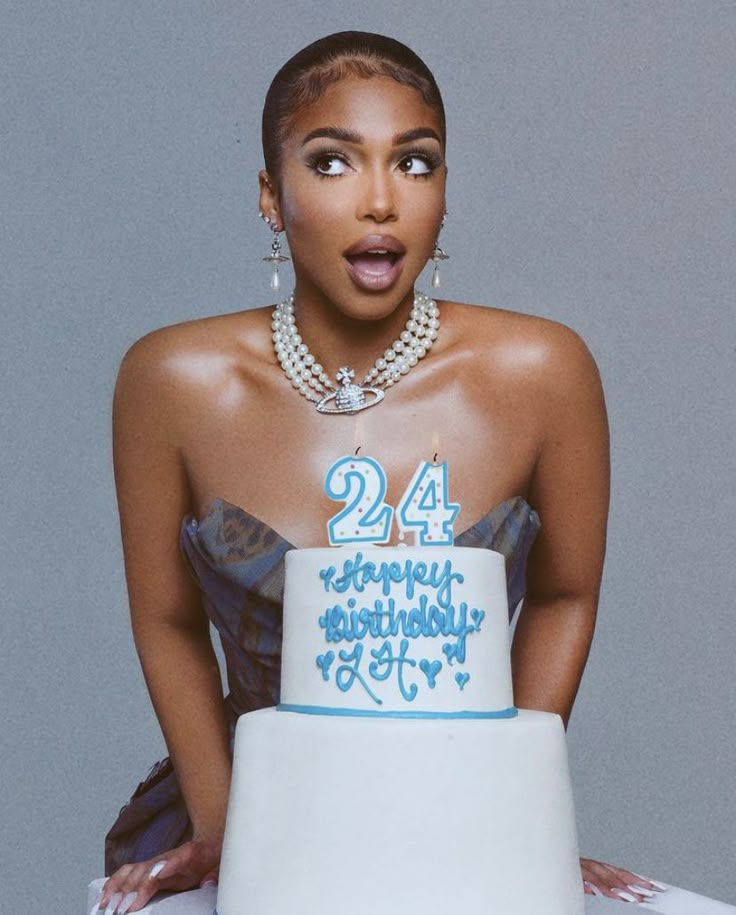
x: 360, y: 482
x: 425, y: 506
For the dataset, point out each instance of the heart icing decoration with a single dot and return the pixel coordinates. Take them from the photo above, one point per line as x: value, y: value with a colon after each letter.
x: 324, y: 662
x: 477, y: 617
x: 461, y: 678
x: 430, y: 669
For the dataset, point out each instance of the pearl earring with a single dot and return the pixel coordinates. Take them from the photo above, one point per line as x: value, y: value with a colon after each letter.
x: 438, y: 255
x: 275, y: 258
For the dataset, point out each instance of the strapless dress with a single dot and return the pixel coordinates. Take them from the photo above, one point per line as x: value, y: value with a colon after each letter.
x: 238, y: 563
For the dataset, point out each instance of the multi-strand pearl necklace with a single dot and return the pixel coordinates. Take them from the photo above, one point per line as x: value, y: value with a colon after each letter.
x: 309, y: 377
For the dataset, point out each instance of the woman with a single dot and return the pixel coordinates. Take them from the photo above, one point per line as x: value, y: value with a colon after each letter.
x: 207, y: 418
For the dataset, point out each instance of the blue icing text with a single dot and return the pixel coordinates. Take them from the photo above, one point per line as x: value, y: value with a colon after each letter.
x: 382, y: 622
x: 357, y: 573
x: 396, y: 617
x: 345, y: 675
x: 386, y: 659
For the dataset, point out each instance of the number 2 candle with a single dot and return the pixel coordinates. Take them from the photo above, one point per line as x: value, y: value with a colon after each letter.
x: 360, y: 482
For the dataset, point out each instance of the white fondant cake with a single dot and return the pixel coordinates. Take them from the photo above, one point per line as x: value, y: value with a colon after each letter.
x: 396, y: 776
x: 406, y: 631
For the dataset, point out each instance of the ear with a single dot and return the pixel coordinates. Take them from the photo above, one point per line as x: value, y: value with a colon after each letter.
x: 268, y: 200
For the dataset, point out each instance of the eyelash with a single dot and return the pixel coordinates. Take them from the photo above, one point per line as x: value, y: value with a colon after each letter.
x: 319, y: 156
x: 432, y: 161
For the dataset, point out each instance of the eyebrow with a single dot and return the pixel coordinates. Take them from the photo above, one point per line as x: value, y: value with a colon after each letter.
x: 350, y: 136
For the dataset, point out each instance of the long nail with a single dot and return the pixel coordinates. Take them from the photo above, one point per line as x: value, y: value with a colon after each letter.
x: 657, y: 886
x: 634, y: 887
x: 597, y: 891
x: 96, y: 907
x: 627, y: 897
x: 113, y: 903
x: 127, y: 903
x: 156, y: 869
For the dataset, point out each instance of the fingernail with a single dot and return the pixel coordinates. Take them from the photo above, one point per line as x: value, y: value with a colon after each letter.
x: 657, y: 886
x: 596, y: 890
x: 627, y: 897
x: 640, y: 889
x: 210, y: 881
x: 156, y: 869
x: 127, y: 903
x: 112, y: 904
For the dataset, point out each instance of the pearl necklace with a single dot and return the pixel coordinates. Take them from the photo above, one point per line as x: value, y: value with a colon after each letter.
x: 309, y: 378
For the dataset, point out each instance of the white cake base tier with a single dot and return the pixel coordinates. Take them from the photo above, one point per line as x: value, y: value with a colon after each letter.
x: 400, y: 817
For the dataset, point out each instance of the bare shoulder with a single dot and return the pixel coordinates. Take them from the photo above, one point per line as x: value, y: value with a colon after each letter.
x: 523, y: 346
x: 171, y: 379
x: 195, y: 354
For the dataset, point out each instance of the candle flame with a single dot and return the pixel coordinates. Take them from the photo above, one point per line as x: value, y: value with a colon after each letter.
x: 359, y: 433
x: 435, y: 445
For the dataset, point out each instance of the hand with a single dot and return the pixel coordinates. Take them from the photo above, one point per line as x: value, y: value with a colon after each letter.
x: 615, y: 882
x: 130, y: 888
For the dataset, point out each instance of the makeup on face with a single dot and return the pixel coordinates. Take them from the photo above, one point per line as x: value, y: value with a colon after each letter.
x: 362, y: 191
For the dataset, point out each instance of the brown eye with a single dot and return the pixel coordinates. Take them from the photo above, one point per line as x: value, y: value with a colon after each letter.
x: 329, y: 164
x: 415, y: 165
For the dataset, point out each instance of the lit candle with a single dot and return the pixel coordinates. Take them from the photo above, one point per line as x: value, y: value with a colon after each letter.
x: 360, y: 482
x: 359, y: 433
x: 425, y: 506
x: 435, y: 444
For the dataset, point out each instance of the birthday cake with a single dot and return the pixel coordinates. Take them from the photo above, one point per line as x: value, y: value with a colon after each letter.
x: 396, y: 776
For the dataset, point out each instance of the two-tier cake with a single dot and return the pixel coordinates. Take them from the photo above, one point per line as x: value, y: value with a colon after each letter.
x: 396, y: 777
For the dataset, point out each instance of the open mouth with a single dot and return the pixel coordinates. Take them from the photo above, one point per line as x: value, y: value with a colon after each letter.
x: 375, y: 263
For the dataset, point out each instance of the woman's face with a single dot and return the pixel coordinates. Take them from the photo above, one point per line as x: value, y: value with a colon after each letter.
x: 360, y: 194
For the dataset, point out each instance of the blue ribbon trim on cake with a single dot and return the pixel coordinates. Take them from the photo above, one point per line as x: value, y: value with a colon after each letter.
x: 510, y: 712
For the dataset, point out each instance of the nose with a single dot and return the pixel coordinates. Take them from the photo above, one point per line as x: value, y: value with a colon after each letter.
x: 378, y: 201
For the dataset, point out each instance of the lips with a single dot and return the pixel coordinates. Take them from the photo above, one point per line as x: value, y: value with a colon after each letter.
x: 375, y: 262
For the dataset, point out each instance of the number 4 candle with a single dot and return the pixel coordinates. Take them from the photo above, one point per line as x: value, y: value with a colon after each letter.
x: 425, y: 507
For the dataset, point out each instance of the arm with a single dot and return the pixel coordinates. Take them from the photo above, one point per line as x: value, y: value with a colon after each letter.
x: 153, y: 399
x: 570, y: 489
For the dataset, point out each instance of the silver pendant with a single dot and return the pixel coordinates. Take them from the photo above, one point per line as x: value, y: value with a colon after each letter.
x: 350, y: 398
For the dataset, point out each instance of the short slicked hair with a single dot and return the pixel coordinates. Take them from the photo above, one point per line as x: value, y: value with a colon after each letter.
x: 305, y: 77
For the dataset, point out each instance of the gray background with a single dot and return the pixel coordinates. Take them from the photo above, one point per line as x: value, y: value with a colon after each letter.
x: 591, y: 180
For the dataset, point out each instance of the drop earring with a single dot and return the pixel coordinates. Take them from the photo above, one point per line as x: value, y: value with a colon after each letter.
x: 438, y: 255
x: 275, y: 258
